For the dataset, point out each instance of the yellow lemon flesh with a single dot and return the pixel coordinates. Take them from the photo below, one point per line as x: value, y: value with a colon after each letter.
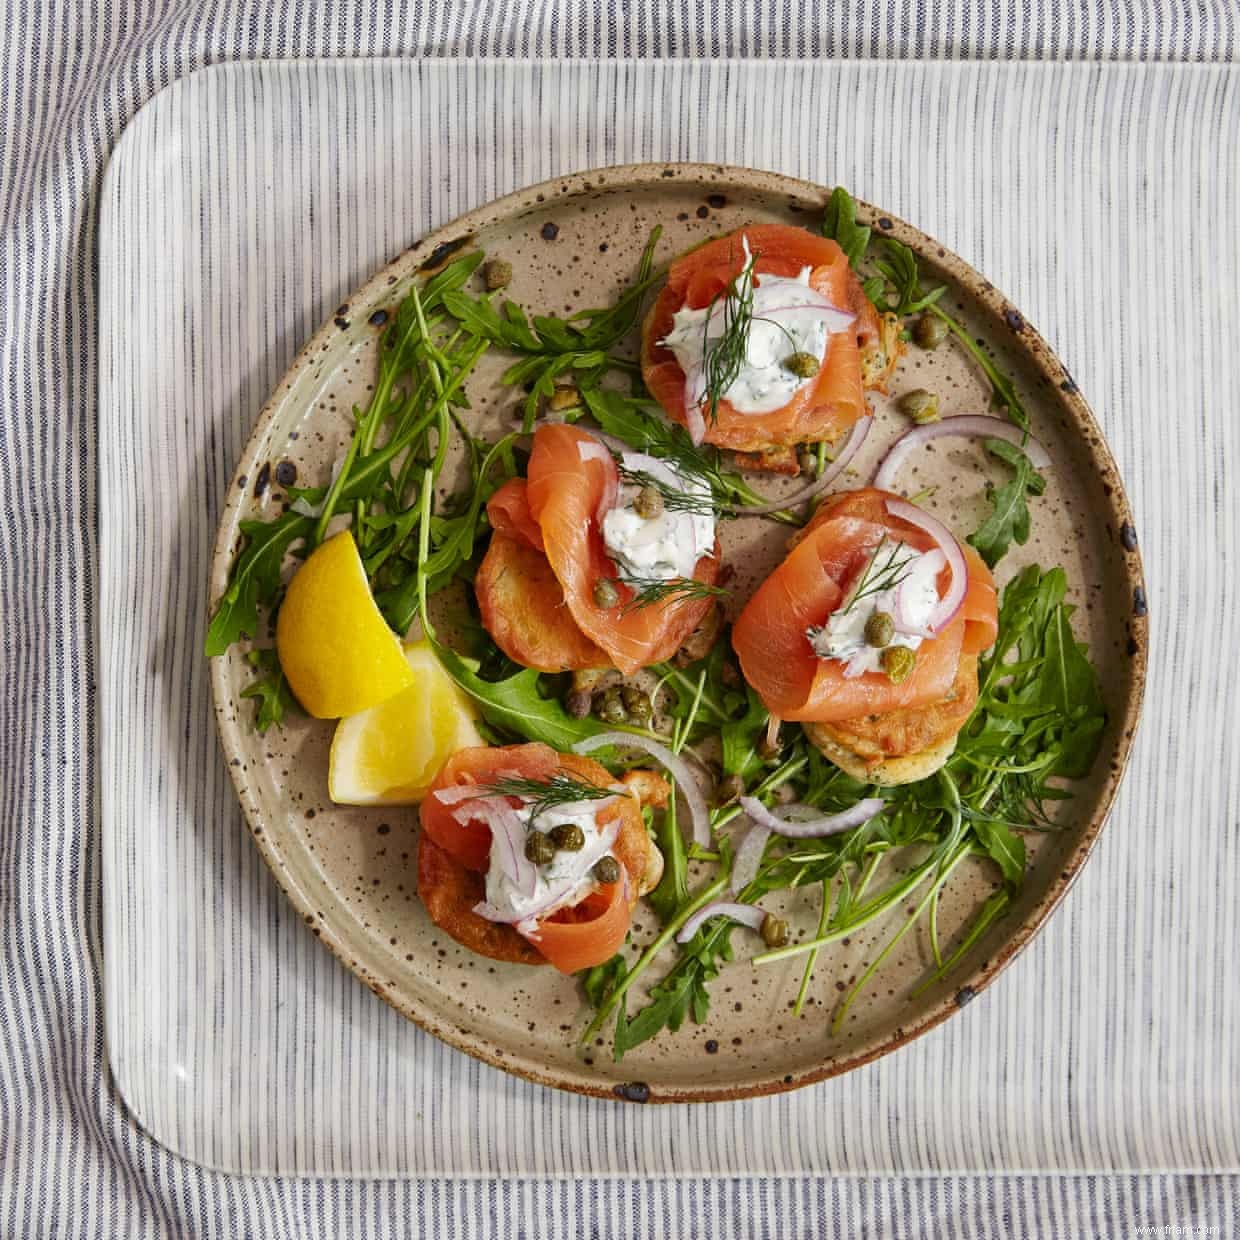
x: 389, y: 755
x: 336, y: 649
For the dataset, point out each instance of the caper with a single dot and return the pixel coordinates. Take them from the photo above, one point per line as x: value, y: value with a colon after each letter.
x: 564, y: 398
x: 807, y: 461
x: 769, y: 746
x: 648, y: 503
x: 496, y: 274
x: 803, y: 365
x: 898, y: 663
x: 609, y: 706
x: 607, y: 870
x: 775, y: 931
x: 920, y: 405
x: 568, y: 836
x: 880, y: 628
x: 730, y: 787
x: 538, y: 848
x: 605, y: 593
x: 929, y: 331
x: 637, y: 704
x: 577, y: 703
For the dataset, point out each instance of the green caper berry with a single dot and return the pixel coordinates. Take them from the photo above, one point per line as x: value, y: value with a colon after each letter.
x: 898, y: 663
x: 496, y: 274
x: 609, y: 706
x: 880, y: 628
x: 929, y: 331
x: 568, y: 836
x: 648, y: 503
x: 607, y: 870
x: 803, y: 365
x: 920, y: 405
x: 605, y: 593
x: 564, y: 398
x: 538, y: 848
x: 636, y: 703
x: 775, y: 931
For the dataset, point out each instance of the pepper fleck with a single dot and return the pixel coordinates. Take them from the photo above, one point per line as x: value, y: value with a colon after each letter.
x: 632, y: 1091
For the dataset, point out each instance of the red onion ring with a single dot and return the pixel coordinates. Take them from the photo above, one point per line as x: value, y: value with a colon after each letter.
x: 946, y: 542
x: 747, y: 914
x: 748, y: 857
x: 836, y: 320
x: 699, y: 815
x: 508, y: 834
x: 810, y: 828
x: 856, y: 437
x: 970, y: 426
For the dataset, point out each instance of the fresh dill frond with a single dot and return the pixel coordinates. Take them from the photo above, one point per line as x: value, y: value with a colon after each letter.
x: 674, y: 500
x: 545, y: 794
x: 877, y: 578
x: 648, y: 591
x: 724, y: 358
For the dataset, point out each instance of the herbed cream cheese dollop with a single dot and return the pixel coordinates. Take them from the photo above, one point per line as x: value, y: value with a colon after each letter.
x: 665, y: 547
x: 894, y: 567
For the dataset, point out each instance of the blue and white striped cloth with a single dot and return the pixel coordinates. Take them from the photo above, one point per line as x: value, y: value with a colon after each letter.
x: 72, y: 1162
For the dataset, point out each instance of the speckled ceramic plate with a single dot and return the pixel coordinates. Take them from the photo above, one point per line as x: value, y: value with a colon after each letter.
x: 574, y: 243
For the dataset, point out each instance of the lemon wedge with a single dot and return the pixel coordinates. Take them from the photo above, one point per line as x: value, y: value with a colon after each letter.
x: 336, y: 649
x: 389, y: 754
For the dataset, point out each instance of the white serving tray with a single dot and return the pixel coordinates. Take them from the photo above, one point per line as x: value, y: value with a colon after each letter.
x: 244, y: 203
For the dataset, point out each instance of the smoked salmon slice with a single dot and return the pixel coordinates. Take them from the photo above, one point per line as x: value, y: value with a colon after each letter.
x: 556, y: 513
x: 770, y: 634
x: 821, y: 410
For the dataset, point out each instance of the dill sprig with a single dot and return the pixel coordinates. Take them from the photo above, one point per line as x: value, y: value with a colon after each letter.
x: 724, y: 358
x: 877, y: 579
x: 545, y: 794
x: 648, y: 591
x: 674, y: 500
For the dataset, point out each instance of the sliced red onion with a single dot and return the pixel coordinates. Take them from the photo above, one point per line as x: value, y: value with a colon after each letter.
x: 592, y: 450
x: 508, y: 834
x: 836, y: 320
x: 747, y: 914
x: 597, y: 847
x: 748, y: 857
x: 848, y: 450
x: 675, y: 766
x: 946, y: 542
x: 970, y: 426
x: 810, y: 828
x: 457, y: 793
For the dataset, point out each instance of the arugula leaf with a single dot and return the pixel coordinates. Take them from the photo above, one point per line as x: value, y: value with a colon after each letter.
x: 515, y: 704
x: 1004, y: 847
x: 274, y: 696
x: 600, y: 981
x: 1009, y: 517
x: 839, y: 223
x: 255, y: 578
x: 739, y: 738
x: 899, y: 266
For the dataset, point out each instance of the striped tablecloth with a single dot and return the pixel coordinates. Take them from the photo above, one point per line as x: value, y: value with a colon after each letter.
x: 72, y: 1163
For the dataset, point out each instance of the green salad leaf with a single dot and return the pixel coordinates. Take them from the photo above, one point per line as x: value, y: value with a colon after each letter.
x: 1008, y: 521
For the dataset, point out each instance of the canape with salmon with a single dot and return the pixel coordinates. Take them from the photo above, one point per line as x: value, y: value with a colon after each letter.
x: 596, y: 560
x: 536, y: 857
x: 868, y: 634
x: 763, y: 340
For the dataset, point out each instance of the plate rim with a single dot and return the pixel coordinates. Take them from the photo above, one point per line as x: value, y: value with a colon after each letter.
x: 436, y: 248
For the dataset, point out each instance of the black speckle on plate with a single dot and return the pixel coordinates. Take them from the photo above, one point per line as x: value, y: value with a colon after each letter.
x: 1013, y: 319
x: 550, y: 231
x: 716, y: 201
x: 965, y: 995
x: 1128, y: 537
x: 286, y: 473
x: 702, y: 212
x: 1139, y: 605
x: 885, y: 224
x: 378, y: 318
x: 262, y: 481
x: 632, y: 1091
x: 340, y: 322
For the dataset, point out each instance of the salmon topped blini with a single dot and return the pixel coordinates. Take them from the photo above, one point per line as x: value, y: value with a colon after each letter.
x: 868, y: 634
x: 756, y: 343
x: 596, y: 561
